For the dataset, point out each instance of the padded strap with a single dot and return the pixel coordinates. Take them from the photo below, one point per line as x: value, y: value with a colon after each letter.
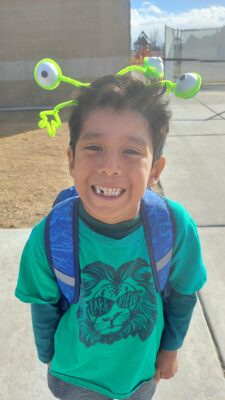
x: 62, y: 247
x: 159, y: 230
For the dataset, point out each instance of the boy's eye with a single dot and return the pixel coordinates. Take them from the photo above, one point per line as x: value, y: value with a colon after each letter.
x: 131, y: 151
x: 93, y: 147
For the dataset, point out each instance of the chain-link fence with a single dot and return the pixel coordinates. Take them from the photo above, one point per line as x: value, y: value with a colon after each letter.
x: 196, y: 50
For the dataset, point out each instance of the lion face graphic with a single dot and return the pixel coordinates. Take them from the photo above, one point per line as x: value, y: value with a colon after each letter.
x: 116, y: 304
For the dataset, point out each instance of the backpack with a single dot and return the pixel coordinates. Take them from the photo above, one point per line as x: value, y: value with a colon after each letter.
x: 62, y: 241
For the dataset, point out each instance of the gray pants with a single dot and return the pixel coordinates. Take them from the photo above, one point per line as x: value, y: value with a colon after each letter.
x: 66, y: 391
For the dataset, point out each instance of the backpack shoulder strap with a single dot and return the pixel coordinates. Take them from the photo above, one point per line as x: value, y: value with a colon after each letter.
x: 65, y: 194
x: 159, y: 226
x: 62, y: 247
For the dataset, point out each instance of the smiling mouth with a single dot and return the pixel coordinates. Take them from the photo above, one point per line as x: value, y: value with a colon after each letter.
x: 107, y: 192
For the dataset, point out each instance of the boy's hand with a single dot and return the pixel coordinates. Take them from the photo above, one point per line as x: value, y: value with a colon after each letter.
x: 166, y: 365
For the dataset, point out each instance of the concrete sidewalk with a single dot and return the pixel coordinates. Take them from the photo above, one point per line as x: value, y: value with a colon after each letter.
x: 195, y: 176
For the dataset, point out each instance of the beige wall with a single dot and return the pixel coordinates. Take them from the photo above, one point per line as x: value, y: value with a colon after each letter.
x: 88, y: 38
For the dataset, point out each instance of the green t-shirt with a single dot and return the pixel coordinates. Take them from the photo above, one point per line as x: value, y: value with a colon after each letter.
x: 108, y: 342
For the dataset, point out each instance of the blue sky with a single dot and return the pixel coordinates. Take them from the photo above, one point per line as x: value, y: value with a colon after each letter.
x: 154, y: 15
x: 178, y: 5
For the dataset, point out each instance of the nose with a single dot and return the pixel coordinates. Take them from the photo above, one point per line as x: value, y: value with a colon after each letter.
x: 110, y: 165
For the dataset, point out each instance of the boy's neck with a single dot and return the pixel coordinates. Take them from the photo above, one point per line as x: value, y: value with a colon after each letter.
x: 116, y: 231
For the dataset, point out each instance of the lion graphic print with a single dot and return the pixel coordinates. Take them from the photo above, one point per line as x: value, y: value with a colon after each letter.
x: 116, y: 304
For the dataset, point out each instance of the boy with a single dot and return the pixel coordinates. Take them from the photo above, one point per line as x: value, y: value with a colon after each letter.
x: 121, y: 336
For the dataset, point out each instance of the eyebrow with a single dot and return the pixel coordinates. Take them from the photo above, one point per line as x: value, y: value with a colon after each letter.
x: 137, y: 140
x: 95, y: 135
x: 90, y: 135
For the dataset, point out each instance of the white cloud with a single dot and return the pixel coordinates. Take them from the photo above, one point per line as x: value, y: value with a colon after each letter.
x: 210, y: 17
x: 150, y: 18
x: 150, y: 8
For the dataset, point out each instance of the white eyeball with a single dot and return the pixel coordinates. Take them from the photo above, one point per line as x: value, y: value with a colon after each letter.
x: 186, y: 82
x: 187, y: 85
x: 157, y: 63
x: 47, y: 74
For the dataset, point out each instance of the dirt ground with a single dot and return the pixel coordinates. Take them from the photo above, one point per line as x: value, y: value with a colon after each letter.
x: 33, y: 168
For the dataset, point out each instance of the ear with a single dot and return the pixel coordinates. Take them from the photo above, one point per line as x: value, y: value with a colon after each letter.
x: 70, y: 156
x: 156, y: 171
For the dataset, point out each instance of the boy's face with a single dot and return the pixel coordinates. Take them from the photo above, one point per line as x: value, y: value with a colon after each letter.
x: 112, y: 165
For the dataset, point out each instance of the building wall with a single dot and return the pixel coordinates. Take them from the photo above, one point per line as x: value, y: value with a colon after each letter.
x: 88, y: 38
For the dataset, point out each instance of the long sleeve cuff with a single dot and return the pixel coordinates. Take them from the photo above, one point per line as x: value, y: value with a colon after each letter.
x: 178, y: 311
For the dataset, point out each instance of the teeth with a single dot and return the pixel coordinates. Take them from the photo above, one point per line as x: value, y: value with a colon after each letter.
x: 110, y: 192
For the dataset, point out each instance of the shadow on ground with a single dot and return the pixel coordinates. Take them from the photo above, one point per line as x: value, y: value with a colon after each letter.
x: 16, y: 122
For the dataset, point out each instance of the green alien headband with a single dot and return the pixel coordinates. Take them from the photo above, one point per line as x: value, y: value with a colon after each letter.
x: 48, y: 76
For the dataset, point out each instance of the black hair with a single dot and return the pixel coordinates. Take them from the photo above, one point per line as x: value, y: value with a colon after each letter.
x: 120, y: 93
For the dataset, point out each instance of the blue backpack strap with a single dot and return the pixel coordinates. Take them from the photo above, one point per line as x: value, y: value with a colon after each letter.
x: 65, y: 194
x: 159, y: 226
x: 62, y: 247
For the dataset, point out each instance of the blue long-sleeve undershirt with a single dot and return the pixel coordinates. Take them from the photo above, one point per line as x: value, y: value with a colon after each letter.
x: 45, y: 319
x: 178, y: 311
